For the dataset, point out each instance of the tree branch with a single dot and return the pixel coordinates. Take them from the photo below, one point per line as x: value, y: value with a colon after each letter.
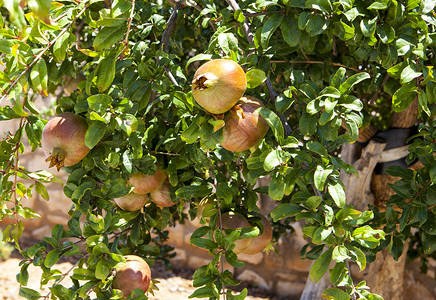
x: 272, y: 92
x: 39, y: 56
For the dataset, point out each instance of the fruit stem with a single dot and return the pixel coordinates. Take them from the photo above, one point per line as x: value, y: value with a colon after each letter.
x: 57, y: 158
x: 204, y: 81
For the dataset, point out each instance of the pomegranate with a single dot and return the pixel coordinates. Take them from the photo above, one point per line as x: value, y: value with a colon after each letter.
x: 244, y: 126
x: 232, y: 220
x: 132, y: 201
x: 63, y: 140
x: 135, y: 274
x: 144, y: 184
x: 218, y: 85
x: 162, y: 195
x: 260, y: 242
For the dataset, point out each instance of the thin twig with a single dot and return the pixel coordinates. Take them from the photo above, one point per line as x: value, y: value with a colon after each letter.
x: 169, y: 28
x: 39, y: 56
x: 375, y: 96
x: 126, y: 40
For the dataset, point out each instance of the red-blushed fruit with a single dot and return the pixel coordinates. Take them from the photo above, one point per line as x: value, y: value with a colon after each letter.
x: 162, y: 195
x: 244, y: 126
x: 218, y: 85
x: 260, y: 242
x: 135, y: 274
x: 232, y: 220
x: 63, y: 140
x: 132, y: 201
x: 144, y: 184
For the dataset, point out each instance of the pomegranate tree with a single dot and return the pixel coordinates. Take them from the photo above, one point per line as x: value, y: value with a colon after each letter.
x: 63, y: 140
x: 218, y: 85
x: 135, y: 274
x: 244, y: 126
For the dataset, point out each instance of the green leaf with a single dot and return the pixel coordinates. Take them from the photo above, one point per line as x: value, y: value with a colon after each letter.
x: 368, y: 26
x: 274, y: 123
x: 335, y: 294
x: 60, y: 47
x: 108, y: 36
x: 41, y: 190
x: 255, y: 77
x: 386, y: 33
x: 351, y: 81
x: 270, y: 26
x: 316, y: 25
x: 94, y: 133
x: 41, y: 8
x: 338, y: 194
x: 283, y: 103
x: 308, y: 124
x: 190, y: 191
x: 99, y: 102
x: 345, y: 32
x: 290, y: 32
x: 285, y: 210
x: 408, y: 74
x: 198, y: 57
x: 340, y: 253
x: 52, y: 258
x: 274, y: 159
x: 29, y: 293
x: 105, y: 72
x: 39, y: 77
x: 403, y: 97
x: 102, y: 269
x: 241, y: 296
x: 320, y: 266
x: 358, y: 255
x: 210, y: 290
x: 276, y: 188
x: 228, y: 42
x: 320, y: 177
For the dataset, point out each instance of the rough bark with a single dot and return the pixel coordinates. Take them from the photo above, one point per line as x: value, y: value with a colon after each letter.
x: 313, y: 291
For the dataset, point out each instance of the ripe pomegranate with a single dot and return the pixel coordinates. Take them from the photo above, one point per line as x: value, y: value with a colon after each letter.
x: 162, y: 195
x: 244, y: 126
x: 218, y: 85
x: 260, y: 242
x: 63, y: 140
x: 144, y: 184
x: 132, y: 201
x: 232, y: 220
x: 135, y: 274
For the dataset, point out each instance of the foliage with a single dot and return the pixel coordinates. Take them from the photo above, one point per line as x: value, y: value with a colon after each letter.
x: 323, y: 69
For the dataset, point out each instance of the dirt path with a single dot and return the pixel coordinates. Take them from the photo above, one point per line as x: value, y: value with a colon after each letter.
x: 172, y: 286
